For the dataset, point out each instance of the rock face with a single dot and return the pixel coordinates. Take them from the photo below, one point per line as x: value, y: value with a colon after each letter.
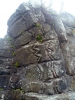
x: 37, y: 56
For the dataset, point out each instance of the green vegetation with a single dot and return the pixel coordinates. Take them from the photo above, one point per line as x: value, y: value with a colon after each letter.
x: 19, y: 90
x: 9, y: 51
x: 8, y: 38
x: 16, y: 64
x: 13, y: 53
x: 39, y: 38
x: 22, y: 33
x: 37, y: 24
x: 12, y: 45
x: 1, y: 89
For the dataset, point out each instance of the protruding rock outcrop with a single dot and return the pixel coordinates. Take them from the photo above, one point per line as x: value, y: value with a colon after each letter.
x: 37, y: 56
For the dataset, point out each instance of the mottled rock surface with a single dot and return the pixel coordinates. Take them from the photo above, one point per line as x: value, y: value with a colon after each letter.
x: 37, y: 56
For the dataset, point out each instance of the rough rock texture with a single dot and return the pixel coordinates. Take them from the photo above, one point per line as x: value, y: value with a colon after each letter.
x: 37, y: 56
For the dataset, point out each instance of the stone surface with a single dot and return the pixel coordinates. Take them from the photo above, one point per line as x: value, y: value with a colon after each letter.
x: 24, y: 23
x: 53, y: 87
x: 6, y: 61
x: 42, y: 72
x: 4, y: 81
x: 18, y: 14
x: 38, y: 52
x: 1, y: 95
x: 35, y: 96
x: 69, y: 54
x: 4, y: 53
x: 68, y: 19
x: 37, y: 56
x: 4, y: 44
x: 14, y: 81
x: 24, y: 39
x: 60, y: 29
x: 72, y: 85
x: 5, y: 70
x: 14, y: 95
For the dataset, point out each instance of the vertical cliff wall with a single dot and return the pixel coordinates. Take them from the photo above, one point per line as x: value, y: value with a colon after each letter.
x: 37, y: 56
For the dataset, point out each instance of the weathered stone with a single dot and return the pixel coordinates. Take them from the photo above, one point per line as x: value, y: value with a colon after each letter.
x: 4, y: 44
x: 13, y: 95
x: 36, y: 30
x: 43, y: 71
x: 60, y: 29
x: 36, y: 96
x: 24, y: 39
x: 69, y: 54
x: 72, y: 85
x: 18, y: 14
x: 46, y: 28
x: 2, y: 95
x: 68, y: 19
x: 14, y: 81
x: 5, y: 53
x: 39, y: 15
x: 5, y: 70
x: 31, y: 54
x: 4, y: 81
x: 53, y: 50
x: 51, y: 35
x: 38, y: 52
x: 14, y: 78
x: 1, y: 61
x: 71, y: 45
x: 23, y: 24
x: 53, y: 87
x: 68, y: 58
x: 42, y: 60
x: 69, y: 31
x: 6, y: 61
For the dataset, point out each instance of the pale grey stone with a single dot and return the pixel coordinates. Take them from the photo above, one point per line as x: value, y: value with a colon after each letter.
x: 23, y: 40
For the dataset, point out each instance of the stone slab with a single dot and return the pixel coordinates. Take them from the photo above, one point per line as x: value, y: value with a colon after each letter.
x: 36, y: 96
x: 22, y: 25
x: 4, y: 81
x: 23, y: 40
x: 43, y: 71
x: 55, y: 86
x: 38, y: 52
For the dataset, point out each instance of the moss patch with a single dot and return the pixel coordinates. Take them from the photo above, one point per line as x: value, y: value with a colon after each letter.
x: 39, y: 38
x: 16, y: 64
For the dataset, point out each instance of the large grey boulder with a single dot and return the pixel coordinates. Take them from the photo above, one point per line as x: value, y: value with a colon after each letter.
x: 37, y: 56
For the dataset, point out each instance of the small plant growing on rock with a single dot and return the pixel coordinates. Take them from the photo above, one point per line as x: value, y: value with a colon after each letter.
x: 22, y: 33
x: 1, y: 89
x: 37, y: 24
x: 8, y: 38
x: 16, y: 64
x: 39, y: 38
x: 12, y: 45
x: 13, y: 53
